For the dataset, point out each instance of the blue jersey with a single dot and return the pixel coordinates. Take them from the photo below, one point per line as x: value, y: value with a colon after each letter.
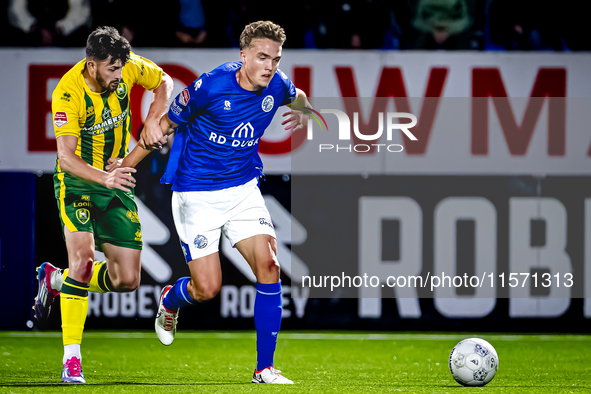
x: 220, y: 126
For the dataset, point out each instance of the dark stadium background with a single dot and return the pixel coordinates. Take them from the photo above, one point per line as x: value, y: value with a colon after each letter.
x: 29, y: 226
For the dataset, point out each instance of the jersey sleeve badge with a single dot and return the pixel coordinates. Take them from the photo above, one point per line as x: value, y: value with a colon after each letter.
x: 60, y: 118
x: 184, y: 97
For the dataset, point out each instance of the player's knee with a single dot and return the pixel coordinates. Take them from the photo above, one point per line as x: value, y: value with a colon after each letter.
x: 127, y: 283
x: 206, y: 292
x: 81, y: 267
x: 210, y: 292
x: 267, y: 267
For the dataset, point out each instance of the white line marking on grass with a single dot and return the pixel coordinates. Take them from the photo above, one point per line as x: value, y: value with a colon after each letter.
x: 306, y: 336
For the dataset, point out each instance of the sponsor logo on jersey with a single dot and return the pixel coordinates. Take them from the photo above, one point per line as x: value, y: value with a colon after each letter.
x: 85, y: 198
x: 79, y: 204
x: 184, y: 97
x: 268, y: 103
x: 60, y: 118
x: 66, y: 96
x: 200, y: 241
x: 83, y: 215
x: 227, y: 105
x: 90, y: 110
x: 198, y: 84
x: 122, y: 89
x: 246, y: 128
x: 266, y: 222
x: 106, y: 125
x: 176, y: 109
x: 133, y: 216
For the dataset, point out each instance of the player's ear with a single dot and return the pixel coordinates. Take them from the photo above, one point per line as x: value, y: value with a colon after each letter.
x: 91, y: 64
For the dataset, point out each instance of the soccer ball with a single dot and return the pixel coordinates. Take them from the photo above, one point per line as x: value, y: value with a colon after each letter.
x: 473, y: 362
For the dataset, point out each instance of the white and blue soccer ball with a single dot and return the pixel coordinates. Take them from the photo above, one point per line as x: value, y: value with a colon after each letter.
x: 473, y: 362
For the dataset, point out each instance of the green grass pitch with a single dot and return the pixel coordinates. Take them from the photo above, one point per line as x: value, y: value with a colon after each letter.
x: 342, y: 362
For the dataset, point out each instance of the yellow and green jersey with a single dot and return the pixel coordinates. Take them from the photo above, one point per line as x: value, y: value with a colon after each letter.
x: 102, y: 122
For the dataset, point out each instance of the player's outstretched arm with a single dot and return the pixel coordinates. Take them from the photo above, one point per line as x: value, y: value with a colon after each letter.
x: 140, y: 151
x: 132, y: 159
x: 295, y: 117
x: 120, y: 178
x: 151, y: 133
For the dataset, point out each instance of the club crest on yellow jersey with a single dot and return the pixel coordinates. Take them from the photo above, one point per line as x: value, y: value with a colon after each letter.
x: 122, y: 90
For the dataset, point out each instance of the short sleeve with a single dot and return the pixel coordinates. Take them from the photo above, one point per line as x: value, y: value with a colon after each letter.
x: 290, y: 89
x: 190, y: 101
x: 144, y: 72
x: 65, y: 114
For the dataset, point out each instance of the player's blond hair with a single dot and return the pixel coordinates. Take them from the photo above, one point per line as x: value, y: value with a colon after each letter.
x: 261, y: 29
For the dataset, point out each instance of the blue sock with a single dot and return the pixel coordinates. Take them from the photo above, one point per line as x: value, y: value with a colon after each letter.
x: 267, y: 320
x: 178, y: 296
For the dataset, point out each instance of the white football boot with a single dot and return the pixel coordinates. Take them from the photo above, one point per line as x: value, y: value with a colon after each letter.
x: 165, y: 321
x: 270, y: 375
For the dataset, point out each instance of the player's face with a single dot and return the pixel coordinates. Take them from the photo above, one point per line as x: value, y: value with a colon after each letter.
x: 108, y: 75
x: 260, y: 61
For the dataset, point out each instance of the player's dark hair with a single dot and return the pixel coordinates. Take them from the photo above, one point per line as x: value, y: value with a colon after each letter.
x: 261, y: 29
x: 106, y: 41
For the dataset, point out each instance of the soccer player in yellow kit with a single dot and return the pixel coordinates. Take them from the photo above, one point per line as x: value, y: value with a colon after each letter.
x: 92, y: 122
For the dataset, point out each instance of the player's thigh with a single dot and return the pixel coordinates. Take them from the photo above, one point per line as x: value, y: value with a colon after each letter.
x: 250, y: 226
x: 198, y: 222
x: 76, y: 214
x: 118, y: 224
x: 124, y: 265
x: 260, y: 251
x: 80, y: 247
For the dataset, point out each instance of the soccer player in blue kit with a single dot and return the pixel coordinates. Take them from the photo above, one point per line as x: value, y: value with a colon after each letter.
x: 214, y: 169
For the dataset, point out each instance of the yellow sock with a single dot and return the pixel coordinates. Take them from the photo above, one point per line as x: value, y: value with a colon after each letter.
x: 100, y: 281
x: 74, y: 308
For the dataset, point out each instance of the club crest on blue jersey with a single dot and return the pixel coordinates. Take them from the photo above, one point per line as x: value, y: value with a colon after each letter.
x: 200, y: 241
x: 268, y: 103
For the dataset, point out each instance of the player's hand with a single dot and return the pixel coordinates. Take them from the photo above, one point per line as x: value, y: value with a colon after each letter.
x: 120, y: 178
x: 152, y: 136
x: 295, y: 120
x: 112, y: 163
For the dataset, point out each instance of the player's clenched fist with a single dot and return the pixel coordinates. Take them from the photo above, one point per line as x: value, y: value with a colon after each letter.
x: 119, y: 178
